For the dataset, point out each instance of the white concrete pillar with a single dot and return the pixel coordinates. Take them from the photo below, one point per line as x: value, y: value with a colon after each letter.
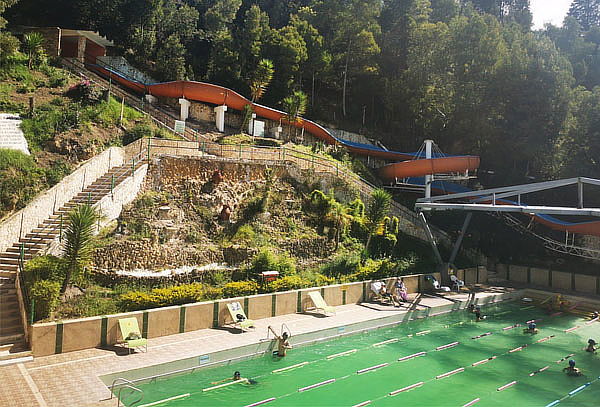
x: 185, y: 108
x: 428, y: 178
x: 277, y: 132
x: 220, y: 117
x: 251, y: 124
x: 151, y: 99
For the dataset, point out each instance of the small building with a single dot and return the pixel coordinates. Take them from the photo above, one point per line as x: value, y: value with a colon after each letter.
x: 84, y: 45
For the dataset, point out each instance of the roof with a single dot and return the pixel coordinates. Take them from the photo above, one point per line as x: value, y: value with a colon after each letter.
x: 90, y: 35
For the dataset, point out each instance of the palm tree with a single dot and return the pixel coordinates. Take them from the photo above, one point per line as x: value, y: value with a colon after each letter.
x: 78, y: 237
x: 376, y: 212
x: 33, y: 45
x: 295, y: 106
x: 261, y: 78
x: 338, y: 214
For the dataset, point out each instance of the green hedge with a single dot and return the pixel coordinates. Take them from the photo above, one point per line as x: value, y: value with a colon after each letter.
x: 240, y: 289
x: 46, y: 296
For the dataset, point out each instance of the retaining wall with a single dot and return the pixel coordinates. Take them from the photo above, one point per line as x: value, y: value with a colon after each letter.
x: 43, y: 206
x: 66, y: 336
x: 546, y: 278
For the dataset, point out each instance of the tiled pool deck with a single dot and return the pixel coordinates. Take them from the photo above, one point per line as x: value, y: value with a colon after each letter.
x: 72, y: 379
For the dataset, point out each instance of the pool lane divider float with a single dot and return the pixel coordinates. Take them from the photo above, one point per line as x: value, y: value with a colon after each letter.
x: 534, y: 321
x: 573, y: 328
x: 520, y: 348
x: 506, y: 328
x: 547, y: 338
x: 565, y: 358
x: 502, y: 313
x: 412, y: 386
x: 592, y: 321
x: 386, y: 342
x: 423, y: 333
x: 577, y: 390
x: 507, y: 385
x: 481, y: 362
x: 414, y: 355
x: 242, y: 380
x: 283, y: 369
x: 482, y: 335
x: 348, y: 352
x: 447, y: 346
x: 314, y: 386
x: 470, y: 403
x: 364, y: 403
x: 155, y: 403
x: 571, y: 393
x: 539, y: 371
x: 450, y: 373
x: 259, y: 403
x: 368, y: 369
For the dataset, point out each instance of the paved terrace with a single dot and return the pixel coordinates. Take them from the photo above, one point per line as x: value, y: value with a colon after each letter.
x: 72, y: 379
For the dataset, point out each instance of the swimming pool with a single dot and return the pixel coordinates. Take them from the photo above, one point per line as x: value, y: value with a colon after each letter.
x: 437, y: 361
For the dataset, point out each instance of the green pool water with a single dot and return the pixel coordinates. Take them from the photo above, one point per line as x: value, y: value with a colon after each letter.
x: 351, y: 388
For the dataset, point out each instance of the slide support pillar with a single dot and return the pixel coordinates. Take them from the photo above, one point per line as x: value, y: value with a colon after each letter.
x: 220, y: 117
x: 579, y: 194
x: 431, y: 238
x: 251, y: 124
x: 185, y: 109
x: 460, y: 237
x: 428, y: 177
x: 151, y: 99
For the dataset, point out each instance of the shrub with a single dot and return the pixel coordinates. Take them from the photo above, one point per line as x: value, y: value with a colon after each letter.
x: 244, y: 234
x: 46, y: 295
x: 47, y: 267
x: 287, y: 283
x: 240, y: 289
x: 84, y: 92
x: 266, y: 260
x: 162, y: 297
x: 20, y: 180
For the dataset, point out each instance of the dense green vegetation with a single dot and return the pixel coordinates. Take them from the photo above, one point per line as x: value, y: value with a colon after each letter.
x: 470, y: 74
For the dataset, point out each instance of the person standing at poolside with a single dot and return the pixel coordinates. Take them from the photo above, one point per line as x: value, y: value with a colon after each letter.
x: 283, y: 344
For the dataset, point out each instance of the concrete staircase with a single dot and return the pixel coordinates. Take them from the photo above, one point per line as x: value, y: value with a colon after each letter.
x: 13, y: 344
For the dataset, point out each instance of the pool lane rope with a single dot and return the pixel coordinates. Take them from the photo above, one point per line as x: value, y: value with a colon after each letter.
x: 314, y: 386
x: 470, y: 403
x: 507, y: 385
x: 259, y: 403
x: 364, y: 403
x: 539, y: 370
x: 283, y: 369
x: 368, y: 369
x: 481, y: 362
x: 346, y: 353
x: 572, y: 393
x: 447, y: 346
x: 573, y: 328
x: 393, y: 340
x: 414, y: 355
x: 520, y: 348
x: 450, y: 373
x: 506, y: 328
x: 407, y: 388
x: 242, y: 380
x: 592, y: 321
x: 155, y: 403
x: 547, y: 338
x: 482, y: 335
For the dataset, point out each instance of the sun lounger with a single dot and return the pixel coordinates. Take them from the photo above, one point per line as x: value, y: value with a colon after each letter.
x: 320, y: 303
x: 240, y: 320
x: 132, y: 338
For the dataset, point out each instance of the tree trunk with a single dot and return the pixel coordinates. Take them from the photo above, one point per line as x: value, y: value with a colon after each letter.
x: 345, y: 80
x: 312, y: 93
x: 67, y: 280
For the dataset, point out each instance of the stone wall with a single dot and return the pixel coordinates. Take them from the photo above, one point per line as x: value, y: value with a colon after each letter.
x: 28, y: 218
x: 143, y: 254
x: 66, y: 336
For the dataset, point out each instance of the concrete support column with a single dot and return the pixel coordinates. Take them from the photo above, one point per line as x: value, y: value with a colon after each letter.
x: 151, y: 99
x: 277, y: 132
x: 251, y: 124
x: 220, y: 117
x: 185, y: 108
x: 428, y: 178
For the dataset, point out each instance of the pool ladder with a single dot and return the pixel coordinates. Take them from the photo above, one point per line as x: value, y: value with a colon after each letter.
x: 125, y: 384
x: 284, y: 327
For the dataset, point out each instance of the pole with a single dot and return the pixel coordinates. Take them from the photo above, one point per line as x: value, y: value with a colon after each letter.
x: 132, y: 167
x: 428, y: 177
x: 61, y: 228
x: 122, y: 110
x: 148, y: 150
x: 32, y: 310
x: 112, y: 183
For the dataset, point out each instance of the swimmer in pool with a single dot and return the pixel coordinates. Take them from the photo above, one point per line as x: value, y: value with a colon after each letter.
x: 591, y: 346
x: 531, y: 329
x: 571, y: 370
x: 236, y: 376
x: 283, y: 344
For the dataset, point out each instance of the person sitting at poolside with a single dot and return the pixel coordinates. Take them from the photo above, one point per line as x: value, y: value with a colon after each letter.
x: 380, y: 290
x: 283, y: 344
x: 531, y: 329
x: 400, y: 294
x: 591, y: 346
x: 571, y: 370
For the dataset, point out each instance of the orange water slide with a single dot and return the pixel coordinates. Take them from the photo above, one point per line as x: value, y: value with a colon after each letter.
x: 417, y: 168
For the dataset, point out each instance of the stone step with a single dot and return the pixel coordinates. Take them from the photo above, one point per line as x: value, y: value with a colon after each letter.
x: 8, y: 291
x: 13, y: 255
x: 8, y: 270
x: 17, y: 250
x: 11, y: 338
x: 4, y: 260
x: 9, y: 311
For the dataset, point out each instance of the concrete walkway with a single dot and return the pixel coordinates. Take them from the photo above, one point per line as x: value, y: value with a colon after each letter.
x: 72, y: 379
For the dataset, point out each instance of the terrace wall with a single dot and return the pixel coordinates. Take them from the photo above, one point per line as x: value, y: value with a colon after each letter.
x: 66, y: 336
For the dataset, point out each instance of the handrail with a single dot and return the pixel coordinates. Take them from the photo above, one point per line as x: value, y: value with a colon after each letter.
x: 114, y: 383
x: 130, y: 387
x: 288, y: 329
x: 21, y: 295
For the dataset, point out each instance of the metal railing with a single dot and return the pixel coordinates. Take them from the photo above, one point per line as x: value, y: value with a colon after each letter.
x: 126, y: 384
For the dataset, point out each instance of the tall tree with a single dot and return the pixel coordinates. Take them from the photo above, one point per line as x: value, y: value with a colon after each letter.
x: 4, y: 4
x: 376, y: 211
x: 587, y: 12
x: 261, y: 77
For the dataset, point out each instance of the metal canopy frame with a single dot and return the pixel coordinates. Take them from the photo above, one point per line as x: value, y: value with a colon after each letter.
x: 494, y: 194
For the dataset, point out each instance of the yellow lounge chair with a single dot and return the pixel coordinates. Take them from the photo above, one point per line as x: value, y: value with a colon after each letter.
x: 320, y: 303
x: 132, y: 337
x: 239, y: 317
